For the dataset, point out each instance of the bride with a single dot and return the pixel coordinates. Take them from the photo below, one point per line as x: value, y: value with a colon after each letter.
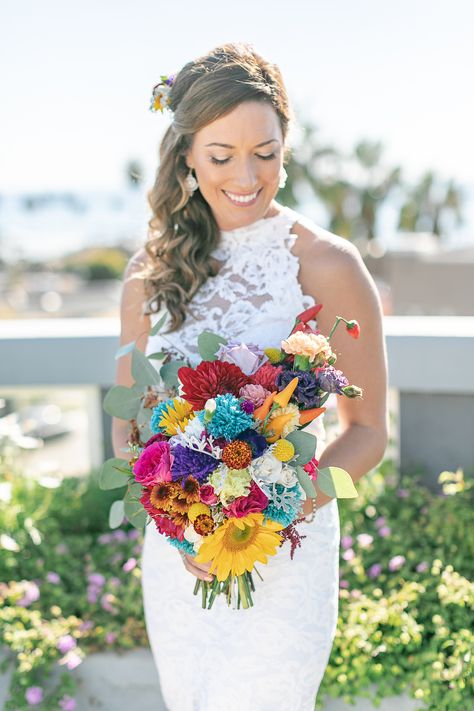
x: 225, y: 256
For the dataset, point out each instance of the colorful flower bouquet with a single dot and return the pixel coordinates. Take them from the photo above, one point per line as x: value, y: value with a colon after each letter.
x: 219, y: 458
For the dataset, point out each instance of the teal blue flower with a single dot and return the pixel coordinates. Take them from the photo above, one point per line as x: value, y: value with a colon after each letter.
x: 183, y: 545
x: 228, y: 419
x: 285, y: 503
x: 158, y: 413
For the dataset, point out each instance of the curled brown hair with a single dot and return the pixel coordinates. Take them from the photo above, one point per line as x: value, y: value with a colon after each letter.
x: 183, y: 230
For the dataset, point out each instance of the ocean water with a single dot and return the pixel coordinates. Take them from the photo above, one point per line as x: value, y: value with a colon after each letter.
x: 42, y: 226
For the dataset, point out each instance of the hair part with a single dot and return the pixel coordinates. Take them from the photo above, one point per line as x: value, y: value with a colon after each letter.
x: 182, y: 230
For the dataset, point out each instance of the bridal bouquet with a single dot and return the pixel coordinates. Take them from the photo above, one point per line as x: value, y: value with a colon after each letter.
x: 219, y: 459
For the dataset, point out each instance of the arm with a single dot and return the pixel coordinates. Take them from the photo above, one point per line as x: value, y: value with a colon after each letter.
x: 133, y: 327
x: 341, y: 282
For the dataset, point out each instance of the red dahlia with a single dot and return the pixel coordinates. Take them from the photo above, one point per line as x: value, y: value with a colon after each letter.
x: 266, y: 376
x: 210, y: 378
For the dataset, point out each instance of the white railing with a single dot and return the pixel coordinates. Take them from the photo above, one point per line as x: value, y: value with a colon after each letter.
x: 430, y: 366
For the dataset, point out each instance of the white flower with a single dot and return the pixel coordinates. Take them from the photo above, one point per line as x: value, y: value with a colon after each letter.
x: 266, y: 468
x: 288, y: 477
x: 191, y: 535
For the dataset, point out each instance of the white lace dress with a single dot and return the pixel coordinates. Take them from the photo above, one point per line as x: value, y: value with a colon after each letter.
x: 270, y: 657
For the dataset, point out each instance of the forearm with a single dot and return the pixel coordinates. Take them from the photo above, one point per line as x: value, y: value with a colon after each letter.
x: 120, y: 434
x: 357, y: 450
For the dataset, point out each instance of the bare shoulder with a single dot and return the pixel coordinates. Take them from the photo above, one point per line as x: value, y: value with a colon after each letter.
x: 136, y: 264
x: 319, y: 249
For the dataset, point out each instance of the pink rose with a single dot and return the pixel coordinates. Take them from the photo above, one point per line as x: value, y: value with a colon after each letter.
x: 207, y: 495
x: 254, y: 502
x: 154, y: 464
x: 311, y: 468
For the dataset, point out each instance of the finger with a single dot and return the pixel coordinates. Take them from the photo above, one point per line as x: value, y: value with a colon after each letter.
x: 201, y: 566
x: 194, y: 570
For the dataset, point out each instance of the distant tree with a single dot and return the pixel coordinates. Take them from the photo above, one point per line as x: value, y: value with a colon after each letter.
x: 428, y: 203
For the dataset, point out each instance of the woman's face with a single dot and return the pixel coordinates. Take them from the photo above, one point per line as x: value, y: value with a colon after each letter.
x: 237, y: 161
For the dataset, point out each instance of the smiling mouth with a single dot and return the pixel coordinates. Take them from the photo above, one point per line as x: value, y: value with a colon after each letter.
x: 238, y: 199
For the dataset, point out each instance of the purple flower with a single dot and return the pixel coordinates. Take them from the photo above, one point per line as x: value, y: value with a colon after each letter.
x: 189, y: 461
x: 68, y: 703
x: 34, y: 695
x: 380, y: 521
x: 106, y: 603
x: 247, y: 406
x: 331, y: 380
x: 104, y: 538
x: 403, y: 493
x: 53, y: 578
x: 96, y: 579
x: 384, y: 531
x: 422, y: 567
x: 247, y: 356
x: 119, y: 535
x: 66, y: 643
x: 115, y: 582
x: 257, y: 442
x: 343, y: 583
x: 348, y: 554
x: 306, y: 392
x: 346, y: 541
x: 86, y: 625
x: 31, y: 594
x: 110, y: 637
x: 396, y: 562
x: 133, y: 534
x: 374, y: 570
x: 129, y: 565
x: 92, y: 595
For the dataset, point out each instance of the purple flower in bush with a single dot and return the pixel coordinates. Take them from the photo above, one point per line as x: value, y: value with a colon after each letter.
x: 380, y: 521
x: 331, y: 380
x: 374, y: 570
x: 306, y: 391
x: 403, y: 493
x: 71, y: 660
x: 189, y: 461
x: 104, y: 538
x: 31, y: 593
x: 96, y: 579
x: 422, y: 567
x: 396, y: 562
x: 133, y: 534
x: 129, y: 565
x: 348, y: 554
x: 34, y: 695
x: 66, y: 643
x: 119, y: 535
x: 68, y: 703
x: 384, y: 531
x: 54, y: 578
x: 92, y: 595
x: 86, y: 625
x: 346, y: 541
x: 343, y: 583
x: 110, y: 637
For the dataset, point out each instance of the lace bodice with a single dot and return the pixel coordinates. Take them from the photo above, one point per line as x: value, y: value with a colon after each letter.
x: 255, y: 293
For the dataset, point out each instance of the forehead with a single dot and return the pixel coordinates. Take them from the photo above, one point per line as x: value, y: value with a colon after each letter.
x: 251, y: 122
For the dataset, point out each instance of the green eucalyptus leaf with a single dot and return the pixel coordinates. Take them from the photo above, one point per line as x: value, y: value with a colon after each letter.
x: 143, y: 423
x: 208, y: 344
x: 116, y: 514
x: 306, y: 482
x: 159, y: 355
x: 304, y: 444
x: 114, y: 473
x: 134, y: 491
x: 169, y: 373
x: 123, y: 402
x: 336, y: 482
x: 123, y: 350
x: 158, y: 325
x: 135, y: 513
x: 144, y: 372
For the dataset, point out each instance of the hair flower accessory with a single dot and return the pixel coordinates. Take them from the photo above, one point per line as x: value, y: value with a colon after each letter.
x: 160, y: 99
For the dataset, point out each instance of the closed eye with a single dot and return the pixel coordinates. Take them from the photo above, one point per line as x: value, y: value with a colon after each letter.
x: 216, y: 161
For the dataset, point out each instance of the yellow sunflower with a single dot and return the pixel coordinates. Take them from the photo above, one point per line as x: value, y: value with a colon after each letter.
x: 238, y: 543
x: 176, y: 416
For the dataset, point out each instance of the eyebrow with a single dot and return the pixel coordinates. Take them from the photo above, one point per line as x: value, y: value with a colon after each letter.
x: 227, y: 145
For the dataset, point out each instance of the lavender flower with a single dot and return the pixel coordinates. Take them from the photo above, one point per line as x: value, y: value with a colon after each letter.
x: 422, y: 567
x: 129, y: 565
x: 34, y: 695
x: 348, y: 554
x: 68, y: 703
x: 31, y: 593
x: 346, y: 541
x: 384, y: 531
x: 54, y: 578
x: 331, y: 380
x: 396, y: 562
x: 96, y: 579
x: 374, y: 570
x: 66, y: 643
x: 247, y: 356
x: 190, y: 461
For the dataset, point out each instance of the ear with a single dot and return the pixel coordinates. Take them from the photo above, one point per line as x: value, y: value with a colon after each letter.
x: 188, y: 160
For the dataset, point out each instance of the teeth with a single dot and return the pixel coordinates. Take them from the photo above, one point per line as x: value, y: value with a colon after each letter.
x: 241, y: 198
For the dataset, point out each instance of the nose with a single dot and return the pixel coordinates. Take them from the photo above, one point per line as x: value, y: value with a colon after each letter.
x: 246, y: 176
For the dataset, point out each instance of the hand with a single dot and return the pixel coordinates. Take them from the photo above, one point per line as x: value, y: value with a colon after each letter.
x: 200, y: 570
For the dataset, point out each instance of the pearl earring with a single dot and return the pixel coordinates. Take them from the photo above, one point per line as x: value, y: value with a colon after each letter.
x: 190, y: 182
x: 283, y: 177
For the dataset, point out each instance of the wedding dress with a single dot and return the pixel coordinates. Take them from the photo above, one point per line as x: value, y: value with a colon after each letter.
x: 272, y: 656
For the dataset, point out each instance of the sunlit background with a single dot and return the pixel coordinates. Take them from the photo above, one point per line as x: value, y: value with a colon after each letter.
x: 382, y: 155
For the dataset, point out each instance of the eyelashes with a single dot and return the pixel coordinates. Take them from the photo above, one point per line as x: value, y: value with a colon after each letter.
x: 226, y: 160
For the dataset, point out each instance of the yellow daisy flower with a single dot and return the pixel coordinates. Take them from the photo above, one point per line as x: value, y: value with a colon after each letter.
x: 236, y: 545
x: 176, y: 416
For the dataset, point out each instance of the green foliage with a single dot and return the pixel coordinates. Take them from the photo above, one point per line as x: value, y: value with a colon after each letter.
x: 97, y: 263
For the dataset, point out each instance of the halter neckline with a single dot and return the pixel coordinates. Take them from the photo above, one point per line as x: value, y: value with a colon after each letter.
x: 261, y: 222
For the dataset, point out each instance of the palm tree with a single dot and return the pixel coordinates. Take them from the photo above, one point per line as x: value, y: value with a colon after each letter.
x: 427, y: 203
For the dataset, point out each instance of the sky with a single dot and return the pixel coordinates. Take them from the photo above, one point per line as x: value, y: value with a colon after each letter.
x: 76, y: 79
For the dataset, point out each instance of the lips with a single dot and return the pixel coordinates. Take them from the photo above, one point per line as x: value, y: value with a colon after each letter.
x: 242, y: 199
